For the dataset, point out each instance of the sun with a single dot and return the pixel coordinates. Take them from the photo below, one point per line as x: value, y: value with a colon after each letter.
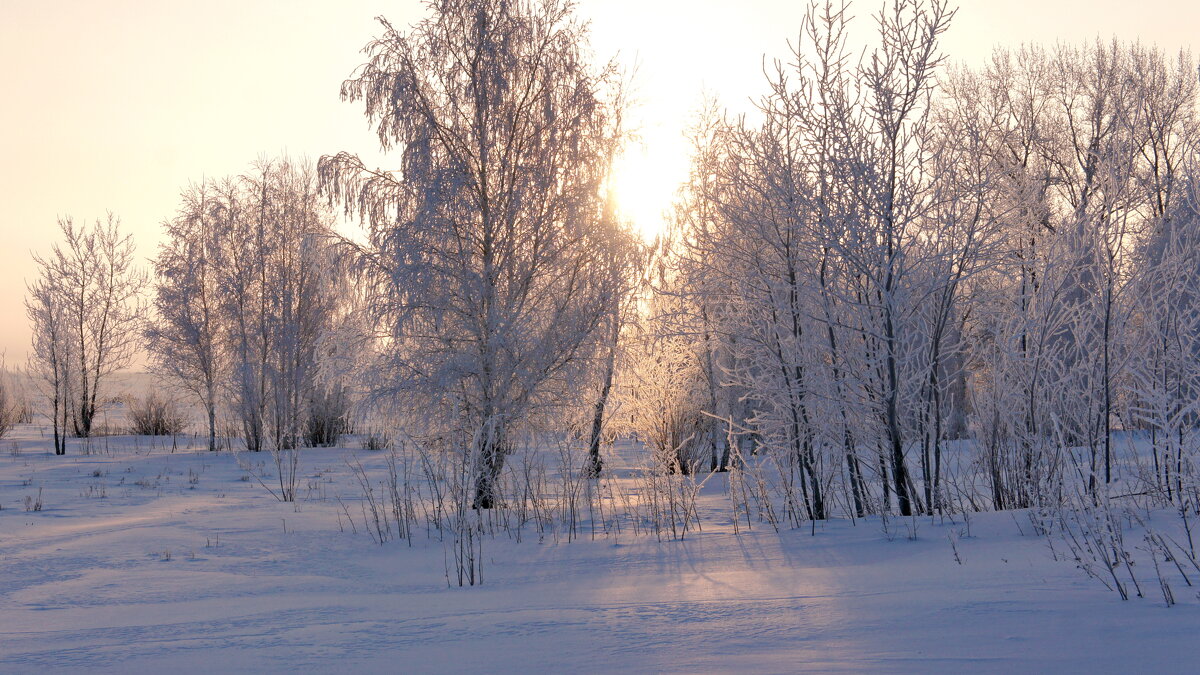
x: 646, y: 178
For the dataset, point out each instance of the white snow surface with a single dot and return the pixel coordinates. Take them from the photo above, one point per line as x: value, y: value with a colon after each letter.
x: 254, y: 585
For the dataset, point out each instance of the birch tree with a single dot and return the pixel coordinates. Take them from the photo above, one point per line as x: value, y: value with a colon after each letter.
x: 51, y: 359
x: 86, y: 311
x: 186, y: 338
x: 277, y: 280
x: 494, y: 262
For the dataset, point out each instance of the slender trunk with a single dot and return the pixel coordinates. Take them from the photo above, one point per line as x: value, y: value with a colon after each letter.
x: 999, y: 501
x: 895, y: 439
x: 594, y: 464
x: 852, y: 465
x: 937, y: 505
x: 1107, y: 385
x: 710, y: 375
x: 59, y: 445
x: 212, y: 425
x: 883, y: 475
x: 800, y: 426
x: 856, y: 484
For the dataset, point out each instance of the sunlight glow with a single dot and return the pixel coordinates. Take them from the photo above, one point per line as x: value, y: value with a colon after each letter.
x: 646, y: 178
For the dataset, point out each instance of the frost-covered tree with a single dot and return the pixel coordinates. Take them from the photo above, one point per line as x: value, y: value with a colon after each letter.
x: 1089, y: 147
x: 277, y: 279
x: 695, y: 252
x: 185, y: 337
x: 663, y: 393
x: 248, y: 283
x: 51, y: 359
x: 495, y: 266
x: 86, y: 313
x: 824, y: 211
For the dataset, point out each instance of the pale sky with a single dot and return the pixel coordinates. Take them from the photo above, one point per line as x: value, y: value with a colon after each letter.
x: 116, y: 105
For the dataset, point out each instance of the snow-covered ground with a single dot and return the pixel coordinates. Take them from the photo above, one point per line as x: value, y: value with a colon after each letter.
x: 146, y: 560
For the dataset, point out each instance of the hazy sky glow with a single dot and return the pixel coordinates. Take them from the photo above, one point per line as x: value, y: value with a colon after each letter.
x: 117, y: 105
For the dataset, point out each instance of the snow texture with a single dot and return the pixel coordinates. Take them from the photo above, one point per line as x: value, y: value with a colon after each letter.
x: 147, y: 560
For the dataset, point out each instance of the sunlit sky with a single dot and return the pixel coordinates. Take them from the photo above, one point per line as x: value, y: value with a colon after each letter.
x: 117, y: 105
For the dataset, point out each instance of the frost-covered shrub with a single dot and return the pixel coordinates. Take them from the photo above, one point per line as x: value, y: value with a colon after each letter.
x: 155, y: 415
x: 328, y: 418
x: 376, y: 440
x: 665, y: 394
x: 22, y: 411
x: 7, y: 416
x: 14, y: 407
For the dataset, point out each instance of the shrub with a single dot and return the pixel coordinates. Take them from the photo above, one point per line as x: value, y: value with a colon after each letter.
x: 376, y: 440
x: 22, y: 411
x: 7, y: 411
x: 14, y: 409
x: 155, y: 415
x: 328, y: 418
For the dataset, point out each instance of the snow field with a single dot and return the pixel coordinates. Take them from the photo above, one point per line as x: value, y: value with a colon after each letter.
x: 144, y: 560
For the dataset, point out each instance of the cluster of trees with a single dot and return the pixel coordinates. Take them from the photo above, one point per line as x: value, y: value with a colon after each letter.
x: 899, y: 262
x: 246, y: 288
x: 908, y: 287
x: 84, y: 308
x: 490, y: 284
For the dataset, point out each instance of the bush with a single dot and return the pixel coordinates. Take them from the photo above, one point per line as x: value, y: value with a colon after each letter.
x: 7, y: 418
x: 328, y: 418
x: 155, y: 415
x: 13, y: 410
x: 376, y: 440
x: 22, y: 412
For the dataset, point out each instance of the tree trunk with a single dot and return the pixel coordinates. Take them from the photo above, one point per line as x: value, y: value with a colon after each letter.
x: 487, y: 472
x: 594, y: 464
